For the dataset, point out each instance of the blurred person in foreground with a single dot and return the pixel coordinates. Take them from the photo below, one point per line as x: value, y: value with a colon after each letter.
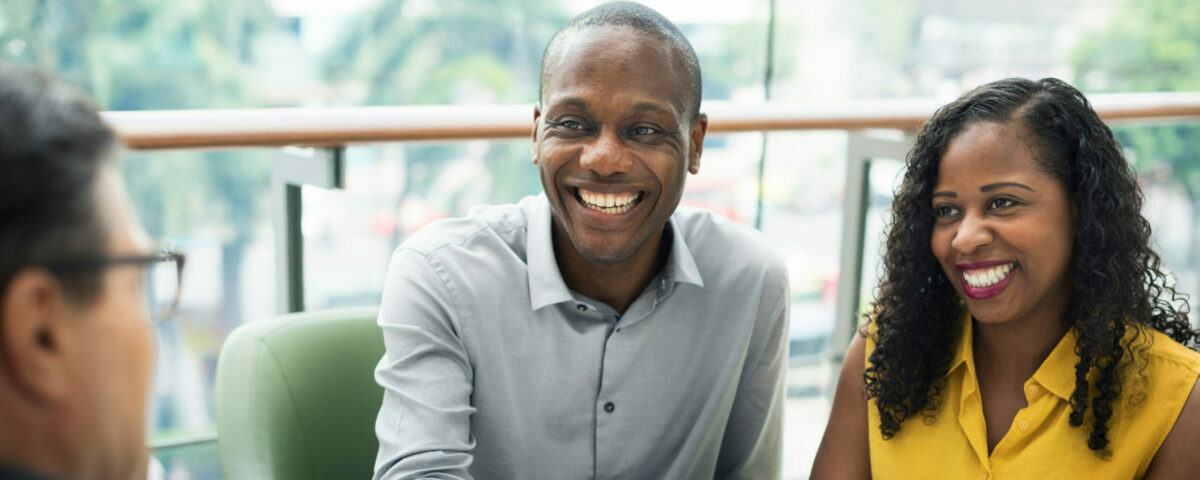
x: 76, y: 346
x: 1024, y: 326
x: 594, y: 331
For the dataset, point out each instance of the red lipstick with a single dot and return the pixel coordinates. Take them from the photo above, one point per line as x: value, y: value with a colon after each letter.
x: 980, y: 293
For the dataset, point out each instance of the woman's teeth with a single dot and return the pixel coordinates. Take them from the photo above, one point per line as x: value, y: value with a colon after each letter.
x: 986, y: 277
x: 610, y: 203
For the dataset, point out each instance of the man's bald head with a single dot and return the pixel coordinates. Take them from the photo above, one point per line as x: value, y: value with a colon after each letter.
x: 643, y: 19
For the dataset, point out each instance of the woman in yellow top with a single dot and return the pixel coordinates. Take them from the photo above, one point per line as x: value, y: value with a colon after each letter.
x: 1023, y: 327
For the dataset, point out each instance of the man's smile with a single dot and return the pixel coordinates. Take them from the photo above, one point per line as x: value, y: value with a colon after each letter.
x: 611, y: 203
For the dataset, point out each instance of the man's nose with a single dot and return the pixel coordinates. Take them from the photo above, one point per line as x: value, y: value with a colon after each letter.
x: 974, y: 233
x: 606, y: 155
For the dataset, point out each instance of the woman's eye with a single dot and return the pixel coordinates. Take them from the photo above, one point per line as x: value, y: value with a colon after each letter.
x: 942, y: 211
x: 1003, y: 202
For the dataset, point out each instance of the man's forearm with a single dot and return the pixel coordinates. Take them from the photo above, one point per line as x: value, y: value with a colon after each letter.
x: 424, y: 423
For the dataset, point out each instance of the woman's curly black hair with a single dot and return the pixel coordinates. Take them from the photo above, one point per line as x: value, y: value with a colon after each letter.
x: 1118, y: 281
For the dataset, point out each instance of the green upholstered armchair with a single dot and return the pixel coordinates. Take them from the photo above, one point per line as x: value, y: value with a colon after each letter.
x: 297, y: 398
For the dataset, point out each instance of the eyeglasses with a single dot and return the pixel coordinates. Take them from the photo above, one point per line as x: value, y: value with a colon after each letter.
x: 161, y: 280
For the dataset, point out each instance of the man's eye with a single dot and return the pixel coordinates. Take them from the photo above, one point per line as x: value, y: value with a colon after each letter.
x: 570, y: 124
x: 644, y: 131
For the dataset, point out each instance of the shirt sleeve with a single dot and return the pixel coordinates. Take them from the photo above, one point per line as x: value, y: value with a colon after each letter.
x: 424, y: 422
x: 753, y: 444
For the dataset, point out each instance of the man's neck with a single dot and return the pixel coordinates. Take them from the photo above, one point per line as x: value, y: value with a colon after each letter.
x: 615, y: 284
x: 24, y: 447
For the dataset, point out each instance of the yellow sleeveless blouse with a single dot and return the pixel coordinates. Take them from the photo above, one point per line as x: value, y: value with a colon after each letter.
x: 1040, y: 444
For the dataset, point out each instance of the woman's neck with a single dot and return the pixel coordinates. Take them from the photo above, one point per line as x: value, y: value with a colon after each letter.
x: 1014, y: 350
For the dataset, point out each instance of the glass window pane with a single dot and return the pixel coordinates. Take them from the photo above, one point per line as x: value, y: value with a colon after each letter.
x: 214, y: 207
x: 802, y: 200
x: 192, y: 462
x: 392, y: 190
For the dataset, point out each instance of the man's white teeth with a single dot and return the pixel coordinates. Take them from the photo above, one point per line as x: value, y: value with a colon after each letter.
x: 980, y: 278
x: 611, y: 203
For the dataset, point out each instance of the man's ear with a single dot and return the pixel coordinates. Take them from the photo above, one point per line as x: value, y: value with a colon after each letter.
x: 699, y: 129
x: 537, y: 115
x: 33, y: 339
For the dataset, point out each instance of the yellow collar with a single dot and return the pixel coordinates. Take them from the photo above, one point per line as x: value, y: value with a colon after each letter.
x: 1056, y: 373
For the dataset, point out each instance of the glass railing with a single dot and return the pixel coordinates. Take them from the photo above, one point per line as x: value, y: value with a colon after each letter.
x: 299, y: 209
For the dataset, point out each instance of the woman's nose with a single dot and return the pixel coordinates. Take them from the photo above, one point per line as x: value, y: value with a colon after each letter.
x: 973, y: 233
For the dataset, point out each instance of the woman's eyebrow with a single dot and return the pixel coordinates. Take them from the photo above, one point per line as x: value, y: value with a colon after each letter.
x: 992, y: 186
x: 945, y: 194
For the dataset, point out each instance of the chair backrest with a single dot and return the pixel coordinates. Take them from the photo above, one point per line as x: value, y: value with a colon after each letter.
x: 297, y: 398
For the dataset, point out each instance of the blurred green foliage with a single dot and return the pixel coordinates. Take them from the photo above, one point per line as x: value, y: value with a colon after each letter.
x: 151, y: 54
x: 1151, y: 46
x: 416, y: 52
x: 450, y: 52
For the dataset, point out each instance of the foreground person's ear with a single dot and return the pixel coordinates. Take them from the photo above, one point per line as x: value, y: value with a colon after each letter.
x: 33, y: 340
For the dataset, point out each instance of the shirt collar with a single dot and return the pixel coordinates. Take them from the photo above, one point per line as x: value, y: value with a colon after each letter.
x: 681, y: 266
x: 963, y: 354
x: 546, y: 285
x: 1056, y: 373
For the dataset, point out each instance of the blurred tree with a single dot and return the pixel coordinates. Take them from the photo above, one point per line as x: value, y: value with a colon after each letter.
x: 470, y: 51
x: 1151, y: 46
x: 149, y: 54
x: 889, y: 36
x: 450, y: 52
x: 737, y: 60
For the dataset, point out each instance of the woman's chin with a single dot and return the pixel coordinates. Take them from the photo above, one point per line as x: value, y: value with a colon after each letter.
x: 984, y: 313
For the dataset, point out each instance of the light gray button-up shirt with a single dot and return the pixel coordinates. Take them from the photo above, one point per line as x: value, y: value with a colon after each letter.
x: 496, y: 370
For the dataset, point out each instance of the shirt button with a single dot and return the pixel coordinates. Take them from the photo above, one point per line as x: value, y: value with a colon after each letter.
x: 609, y: 407
x: 1033, y: 389
x: 1023, y: 425
x: 581, y: 307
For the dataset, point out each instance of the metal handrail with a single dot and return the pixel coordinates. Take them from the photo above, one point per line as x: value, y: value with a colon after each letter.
x: 183, y: 441
x: 320, y: 127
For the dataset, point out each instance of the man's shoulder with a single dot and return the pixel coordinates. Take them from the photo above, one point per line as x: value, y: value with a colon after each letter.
x: 717, y: 242
x: 483, y: 227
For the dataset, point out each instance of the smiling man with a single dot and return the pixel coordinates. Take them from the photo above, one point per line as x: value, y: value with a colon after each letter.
x: 595, y: 331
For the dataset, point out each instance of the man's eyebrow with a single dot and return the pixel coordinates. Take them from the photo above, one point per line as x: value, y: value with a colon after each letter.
x: 945, y: 194
x: 571, y: 102
x: 992, y: 186
x: 651, y: 107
